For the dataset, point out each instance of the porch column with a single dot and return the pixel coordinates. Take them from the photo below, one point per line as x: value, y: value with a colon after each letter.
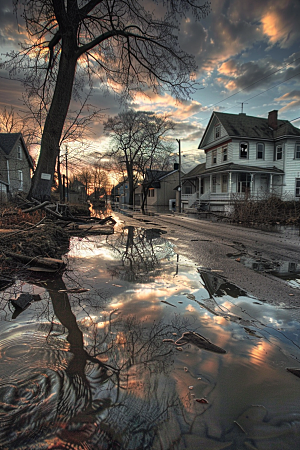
x: 271, y: 183
x: 199, y: 186
x: 229, y: 181
x: 251, y: 184
x: 210, y: 183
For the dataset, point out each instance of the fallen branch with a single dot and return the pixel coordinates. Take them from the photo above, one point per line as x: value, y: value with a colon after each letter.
x: 34, y: 208
x: 51, y: 263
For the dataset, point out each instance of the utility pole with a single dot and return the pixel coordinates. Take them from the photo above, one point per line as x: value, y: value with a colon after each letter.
x: 67, y: 177
x: 243, y: 103
x: 179, y: 174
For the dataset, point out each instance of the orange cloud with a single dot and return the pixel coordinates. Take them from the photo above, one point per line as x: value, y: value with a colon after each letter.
x: 272, y: 27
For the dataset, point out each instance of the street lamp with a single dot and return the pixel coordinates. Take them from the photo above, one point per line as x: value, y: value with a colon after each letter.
x: 179, y: 175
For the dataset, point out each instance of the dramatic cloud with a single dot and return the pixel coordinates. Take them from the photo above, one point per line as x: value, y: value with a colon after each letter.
x: 291, y: 101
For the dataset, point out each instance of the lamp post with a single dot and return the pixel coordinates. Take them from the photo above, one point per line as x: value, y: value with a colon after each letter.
x: 179, y: 174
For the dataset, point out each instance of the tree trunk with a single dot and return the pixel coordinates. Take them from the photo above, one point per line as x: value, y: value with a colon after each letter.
x: 43, y: 177
x: 130, y: 184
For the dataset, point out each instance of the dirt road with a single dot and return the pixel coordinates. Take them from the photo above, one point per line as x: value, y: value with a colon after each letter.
x: 235, y: 252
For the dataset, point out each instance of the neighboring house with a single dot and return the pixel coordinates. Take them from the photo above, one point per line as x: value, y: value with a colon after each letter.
x: 120, y: 193
x: 77, y: 192
x: 15, y: 165
x: 161, y: 188
x: 245, y: 157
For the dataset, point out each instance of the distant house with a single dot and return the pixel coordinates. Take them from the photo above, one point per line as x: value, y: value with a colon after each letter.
x: 77, y: 192
x: 161, y: 188
x: 245, y: 157
x: 15, y: 165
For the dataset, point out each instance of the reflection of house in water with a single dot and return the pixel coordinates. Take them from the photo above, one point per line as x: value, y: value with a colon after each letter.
x: 279, y: 268
x: 219, y: 286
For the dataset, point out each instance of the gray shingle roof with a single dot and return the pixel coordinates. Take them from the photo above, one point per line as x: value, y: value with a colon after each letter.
x: 200, y: 168
x: 254, y: 127
x: 230, y: 167
x: 8, y: 140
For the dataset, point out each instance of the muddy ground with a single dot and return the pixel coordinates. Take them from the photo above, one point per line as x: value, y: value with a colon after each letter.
x: 223, y: 247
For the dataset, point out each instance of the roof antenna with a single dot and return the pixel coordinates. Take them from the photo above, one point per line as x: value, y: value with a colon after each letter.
x: 243, y: 103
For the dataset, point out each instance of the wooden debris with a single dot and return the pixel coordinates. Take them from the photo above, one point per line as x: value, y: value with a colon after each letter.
x: 79, y: 229
x: 51, y: 263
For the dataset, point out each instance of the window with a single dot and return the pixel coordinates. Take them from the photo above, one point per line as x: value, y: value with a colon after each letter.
x: 224, y: 154
x: 224, y: 183
x: 260, y: 151
x: 214, y: 184
x: 297, y: 151
x: 244, y: 182
x: 298, y: 187
x: 20, y: 178
x: 278, y: 152
x: 292, y: 267
x: 217, y: 131
x: 243, y: 150
x: 19, y: 152
x: 202, y: 186
x: 151, y: 192
x: 214, y: 157
x: 187, y: 189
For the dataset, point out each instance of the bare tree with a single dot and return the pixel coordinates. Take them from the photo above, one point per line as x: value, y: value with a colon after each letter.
x: 139, y: 143
x: 123, y: 43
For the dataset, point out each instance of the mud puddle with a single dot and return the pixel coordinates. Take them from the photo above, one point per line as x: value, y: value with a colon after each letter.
x: 137, y: 347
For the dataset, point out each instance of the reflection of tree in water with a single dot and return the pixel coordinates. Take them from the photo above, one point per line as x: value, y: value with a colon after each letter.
x: 140, y: 251
x: 103, y: 388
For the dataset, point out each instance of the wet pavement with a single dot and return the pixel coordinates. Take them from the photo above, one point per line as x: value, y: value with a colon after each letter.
x: 139, y: 346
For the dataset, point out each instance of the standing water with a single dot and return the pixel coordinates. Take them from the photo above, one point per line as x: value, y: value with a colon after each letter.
x: 136, y: 347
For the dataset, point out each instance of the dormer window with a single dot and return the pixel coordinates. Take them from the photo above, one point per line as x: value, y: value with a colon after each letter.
x: 217, y: 131
x: 19, y: 152
x: 297, y: 150
x: 244, y: 152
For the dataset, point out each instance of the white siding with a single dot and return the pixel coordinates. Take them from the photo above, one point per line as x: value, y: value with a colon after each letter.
x: 210, y: 137
x: 291, y: 167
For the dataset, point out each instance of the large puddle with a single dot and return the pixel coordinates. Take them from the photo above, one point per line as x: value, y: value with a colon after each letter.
x: 136, y: 347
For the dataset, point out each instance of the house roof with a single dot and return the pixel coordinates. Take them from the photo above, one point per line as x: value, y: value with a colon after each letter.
x: 194, y: 172
x: 243, y: 126
x: 154, y: 177
x: 9, y: 140
x: 230, y: 167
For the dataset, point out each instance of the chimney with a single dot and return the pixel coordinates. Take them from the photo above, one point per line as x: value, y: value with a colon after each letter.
x: 176, y: 166
x: 272, y: 119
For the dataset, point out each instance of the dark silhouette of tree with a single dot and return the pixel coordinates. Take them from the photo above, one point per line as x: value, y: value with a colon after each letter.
x: 125, y: 45
x: 139, y: 143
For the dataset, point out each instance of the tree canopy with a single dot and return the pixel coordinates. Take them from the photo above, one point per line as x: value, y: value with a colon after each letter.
x: 127, y: 47
x: 139, y: 142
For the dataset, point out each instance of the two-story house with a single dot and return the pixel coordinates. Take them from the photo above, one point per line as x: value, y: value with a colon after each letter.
x: 15, y: 165
x: 245, y: 157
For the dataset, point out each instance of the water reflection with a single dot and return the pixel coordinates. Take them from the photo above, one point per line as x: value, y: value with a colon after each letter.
x: 90, y: 361
x: 287, y: 270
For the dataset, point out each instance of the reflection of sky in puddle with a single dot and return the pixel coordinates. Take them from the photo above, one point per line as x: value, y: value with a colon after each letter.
x: 136, y: 273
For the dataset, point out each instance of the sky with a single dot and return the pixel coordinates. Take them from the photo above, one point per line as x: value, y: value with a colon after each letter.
x: 248, y: 57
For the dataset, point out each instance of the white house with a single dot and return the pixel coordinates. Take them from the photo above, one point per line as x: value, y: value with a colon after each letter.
x: 245, y: 156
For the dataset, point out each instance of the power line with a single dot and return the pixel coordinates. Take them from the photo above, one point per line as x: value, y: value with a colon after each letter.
x: 255, y: 82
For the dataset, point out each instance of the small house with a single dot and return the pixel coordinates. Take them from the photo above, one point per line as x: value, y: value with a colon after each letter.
x: 15, y: 166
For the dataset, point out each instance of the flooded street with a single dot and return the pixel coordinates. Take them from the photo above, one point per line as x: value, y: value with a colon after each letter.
x: 138, y: 347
